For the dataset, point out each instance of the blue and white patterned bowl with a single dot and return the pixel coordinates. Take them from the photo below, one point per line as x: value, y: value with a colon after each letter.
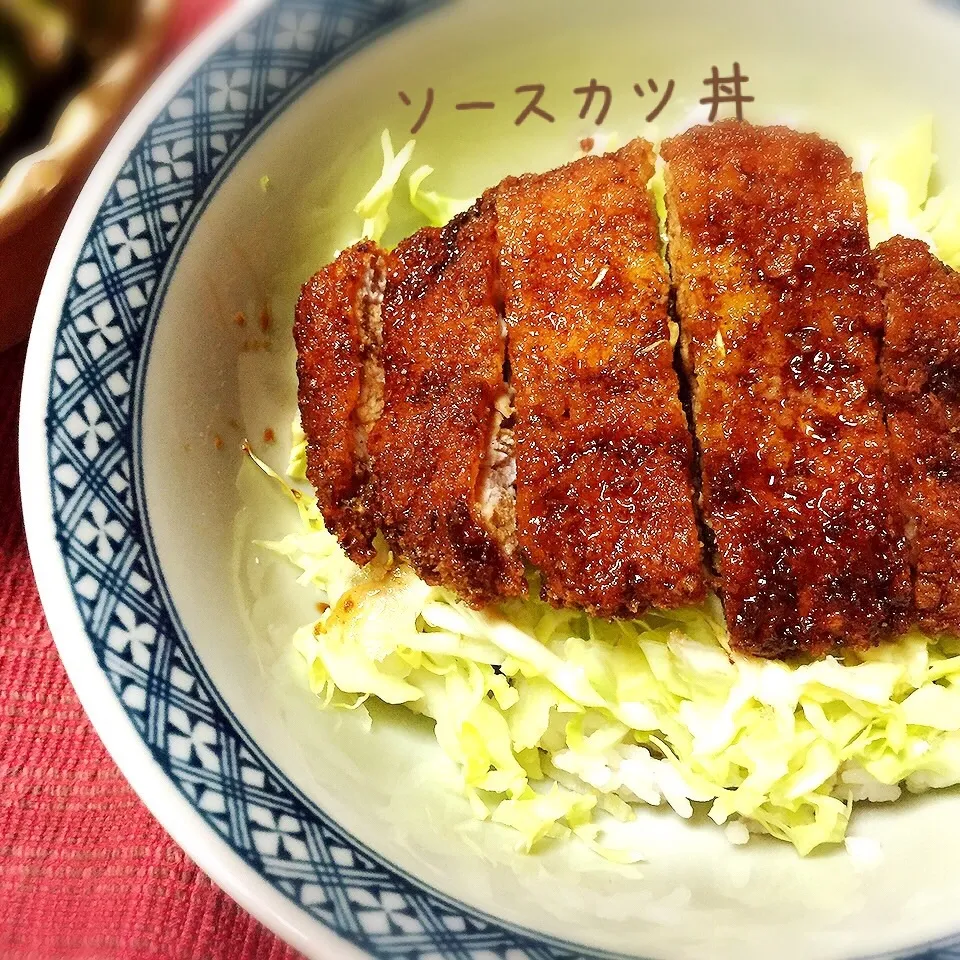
x: 140, y: 385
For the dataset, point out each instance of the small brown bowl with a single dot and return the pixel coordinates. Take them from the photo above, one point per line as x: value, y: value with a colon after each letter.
x: 37, y: 194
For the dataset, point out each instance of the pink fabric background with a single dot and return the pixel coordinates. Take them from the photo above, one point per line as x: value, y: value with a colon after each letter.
x: 86, y: 873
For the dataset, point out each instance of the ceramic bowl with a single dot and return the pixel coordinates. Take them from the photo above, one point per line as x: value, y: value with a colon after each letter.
x: 233, y: 181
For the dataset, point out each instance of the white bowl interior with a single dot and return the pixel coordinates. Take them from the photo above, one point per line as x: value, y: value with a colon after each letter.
x: 859, y: 71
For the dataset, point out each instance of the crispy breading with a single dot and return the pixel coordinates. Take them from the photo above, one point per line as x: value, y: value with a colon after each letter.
x: 604, y: 493
x: 921, y: 380
x: 781, y: 320
x: 439, y: 440
x: 337, y: 337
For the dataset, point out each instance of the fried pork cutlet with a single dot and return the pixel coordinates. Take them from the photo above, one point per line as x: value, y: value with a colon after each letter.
x: 338, y: 334
x: 443, y: 483
x: 921, y: 381
x: 781, y: 320
x: 603, y: 453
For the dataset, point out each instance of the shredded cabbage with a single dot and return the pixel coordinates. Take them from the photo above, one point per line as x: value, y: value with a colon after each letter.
x: 897, y: 182
x: 435, y: 207
x: 374, y: 208
x: 561, y: 724
x: 297, y: 466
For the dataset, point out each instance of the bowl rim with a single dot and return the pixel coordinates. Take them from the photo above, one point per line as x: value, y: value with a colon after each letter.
x: 125, y: 744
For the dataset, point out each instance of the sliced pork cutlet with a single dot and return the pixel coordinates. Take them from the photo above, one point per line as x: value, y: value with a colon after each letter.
x: 443, y: 483
x: 921, y: 381
x: 604, y: 496
x: 338, y: 333
x: 781, y: 318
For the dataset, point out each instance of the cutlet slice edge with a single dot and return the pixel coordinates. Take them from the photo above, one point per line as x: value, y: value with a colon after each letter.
x: 922, y: 306
x: 680, y: 250
x: 342, y: 305
x: 636, y: 160
x: 485, y: 565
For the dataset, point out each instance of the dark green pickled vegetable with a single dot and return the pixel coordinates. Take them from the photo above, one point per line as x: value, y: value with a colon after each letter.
x: 9, y: 93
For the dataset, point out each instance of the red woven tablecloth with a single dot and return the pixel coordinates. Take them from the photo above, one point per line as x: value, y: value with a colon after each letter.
x: 85, y: 870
